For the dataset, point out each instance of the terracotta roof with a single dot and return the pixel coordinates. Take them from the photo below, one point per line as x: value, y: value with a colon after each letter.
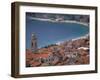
x: 35, y: 63
x: 28, y: 55
x: 42, y: 55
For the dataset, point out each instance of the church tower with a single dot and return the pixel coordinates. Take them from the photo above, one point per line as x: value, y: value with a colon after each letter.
x: 33, y: 42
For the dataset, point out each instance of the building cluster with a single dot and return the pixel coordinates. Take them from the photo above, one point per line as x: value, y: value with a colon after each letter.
x: 72, y: 52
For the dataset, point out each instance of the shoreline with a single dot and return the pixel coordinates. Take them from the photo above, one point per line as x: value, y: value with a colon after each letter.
x: 82, y: 37
x: 74, y: 39
x: 62, y: 21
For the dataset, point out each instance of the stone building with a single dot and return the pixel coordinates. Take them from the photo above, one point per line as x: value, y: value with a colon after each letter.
x: 33, y: 42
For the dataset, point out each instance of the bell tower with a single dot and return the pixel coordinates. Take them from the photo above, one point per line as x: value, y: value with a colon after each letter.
x: 33, y: 42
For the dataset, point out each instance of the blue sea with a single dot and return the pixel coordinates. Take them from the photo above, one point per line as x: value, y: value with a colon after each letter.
x: 53, y: 32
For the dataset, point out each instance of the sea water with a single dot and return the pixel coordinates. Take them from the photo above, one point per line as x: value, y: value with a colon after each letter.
x: 53, y: 32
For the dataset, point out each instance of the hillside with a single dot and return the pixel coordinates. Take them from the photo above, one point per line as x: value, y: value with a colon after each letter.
x: 72, y: 52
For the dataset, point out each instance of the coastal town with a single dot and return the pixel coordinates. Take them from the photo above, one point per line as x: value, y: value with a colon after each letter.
x: 69, y: 52
x: 72, y: 52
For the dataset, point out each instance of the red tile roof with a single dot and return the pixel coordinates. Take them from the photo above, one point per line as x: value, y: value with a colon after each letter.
x: 35, y: 64
x: 30, y: 54
x: 40, y: 55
